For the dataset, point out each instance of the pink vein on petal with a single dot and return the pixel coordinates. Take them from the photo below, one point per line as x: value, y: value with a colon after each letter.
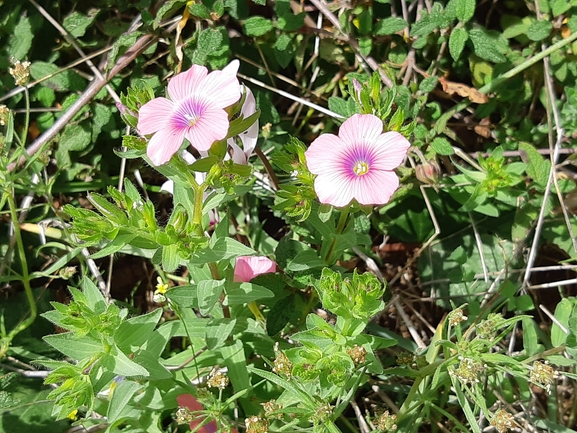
x: 185, y: 84
x: 164, y: 144
x: 154, y: 115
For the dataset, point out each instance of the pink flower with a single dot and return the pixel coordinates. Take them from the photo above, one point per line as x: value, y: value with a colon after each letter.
x: 195, y: 111
x: 249, y: 137
x: 249, y: 267
x: 358, y: 163
x: 191, y: 403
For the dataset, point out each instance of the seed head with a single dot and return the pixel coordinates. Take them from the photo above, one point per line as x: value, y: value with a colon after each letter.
x: 502, y: 421
x: 256, y: 424
x: 21, y: 72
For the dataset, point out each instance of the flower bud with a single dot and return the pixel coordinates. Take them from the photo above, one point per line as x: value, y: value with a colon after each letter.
x: 428, y: 172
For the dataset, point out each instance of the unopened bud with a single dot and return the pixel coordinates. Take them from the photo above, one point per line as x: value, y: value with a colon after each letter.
x: 428, y: 172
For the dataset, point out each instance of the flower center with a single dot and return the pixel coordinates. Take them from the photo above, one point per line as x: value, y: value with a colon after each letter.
x: 188, y: 113
x: 191, y: 118
x: 361, y: 168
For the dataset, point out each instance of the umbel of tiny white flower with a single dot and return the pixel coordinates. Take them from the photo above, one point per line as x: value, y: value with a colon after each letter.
x: 357, y: 164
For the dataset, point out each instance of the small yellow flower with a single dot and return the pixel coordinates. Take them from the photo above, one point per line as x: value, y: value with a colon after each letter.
x: 161, y: 287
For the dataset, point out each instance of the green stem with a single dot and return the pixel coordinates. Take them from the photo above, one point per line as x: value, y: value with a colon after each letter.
x: 198, y: 206
x: 25, y: 279
x: 340, y: 227
x: 27, y: 118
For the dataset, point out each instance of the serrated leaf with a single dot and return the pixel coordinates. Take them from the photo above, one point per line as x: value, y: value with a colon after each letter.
x: 284, y: 50
x: 59, y: 81
x: 486, y: 45
x: 257, y: 26
x: 209, y: 41
x: 390, y: 25
x: 76, y: 23
x: 442, y: 146
x: 539, y: 30
x: 465, y: 9
x: 21, y: 39
x: 457, y: 41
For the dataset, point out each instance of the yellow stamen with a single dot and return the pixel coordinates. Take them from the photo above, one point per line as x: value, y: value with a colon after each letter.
x: 361, y: 168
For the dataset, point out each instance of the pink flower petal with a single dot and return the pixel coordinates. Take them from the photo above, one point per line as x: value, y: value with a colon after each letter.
x: 164, y: 144
x: 154, y: 115
x: 210, y: 127
x: 391, y: 150
x: 185, y: 84
x: 334, y: 189
x: 325, y: 154
x: 376, y: 189
x: 220, y: 89
x: 249, y: 267
x: 361, y: 128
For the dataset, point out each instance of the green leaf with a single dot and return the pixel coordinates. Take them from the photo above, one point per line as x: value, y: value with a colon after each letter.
x: 559, y: 7
x: 539, y: 30
x: 120, y: 364
x: 21, y: 39
x: 465, y: 9
x: 208, y: 293
x: 244, y: 293
x: 137, y: 330
x: 280, y: 315
x: 235, y: 360
x: 284, y: 50
x: 486, y: 45
x: 427, y: 86
x: 59, y: 82
x: 537, y: 166
x: 170, y: 257
x: 75, y: 348
x: 183, y: 296
x: 457, y: 42
x: 530, y: 341
x: 209, y: 41
x: 75, y: 138
x: 217, y: 331
x: 121, y: 396
x: 563, y: 312
x: 390, y: 25
x: 94, y: 297
x: 77, y: 23
x: 442, y: 146
x: 286, y: 18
